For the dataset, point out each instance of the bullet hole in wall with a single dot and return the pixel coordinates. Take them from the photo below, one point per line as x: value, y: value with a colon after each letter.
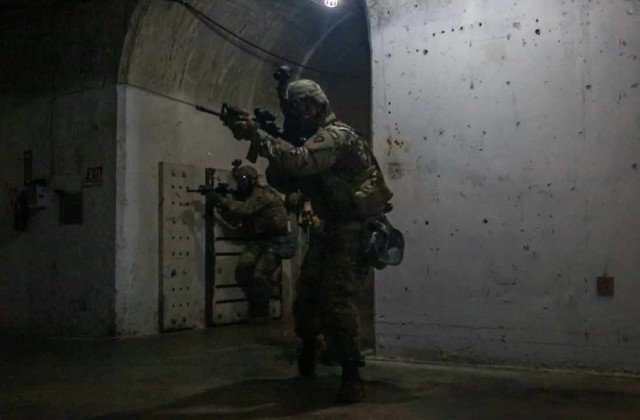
x: 537, y: 31
x: 635, y: 166
x: 485, y: 221
x: 588, y: 87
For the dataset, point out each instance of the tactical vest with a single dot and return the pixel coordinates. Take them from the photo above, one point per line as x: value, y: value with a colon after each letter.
x: 354, y: 188
x: 272, y: 220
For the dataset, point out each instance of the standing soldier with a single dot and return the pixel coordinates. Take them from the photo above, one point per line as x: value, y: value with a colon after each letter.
x: 261, y: 210
x: 331, y: 165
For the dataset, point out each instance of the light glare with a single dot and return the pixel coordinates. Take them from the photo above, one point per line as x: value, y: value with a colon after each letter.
x: 331, y: 3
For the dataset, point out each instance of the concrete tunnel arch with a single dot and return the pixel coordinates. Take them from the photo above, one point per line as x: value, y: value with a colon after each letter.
x: 171, y: 61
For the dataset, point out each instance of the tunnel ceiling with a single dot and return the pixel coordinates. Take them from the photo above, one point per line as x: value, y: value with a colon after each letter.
x: 174, y: 53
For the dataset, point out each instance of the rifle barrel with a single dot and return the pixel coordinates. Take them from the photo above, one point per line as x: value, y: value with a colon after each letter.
x: 208, y: 111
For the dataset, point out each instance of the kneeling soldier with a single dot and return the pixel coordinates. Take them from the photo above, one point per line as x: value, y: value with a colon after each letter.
x: 262, y: 212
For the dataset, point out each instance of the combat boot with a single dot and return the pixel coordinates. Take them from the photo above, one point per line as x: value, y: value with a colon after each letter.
x: 307, y: 358
x: 352, y: 388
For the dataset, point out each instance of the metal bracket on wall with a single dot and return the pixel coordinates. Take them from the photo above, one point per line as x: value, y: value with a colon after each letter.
x: 178, y: 300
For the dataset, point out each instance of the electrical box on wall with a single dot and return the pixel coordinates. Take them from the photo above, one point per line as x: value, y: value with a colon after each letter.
x: 605, y: 286
x: 29, y: 201
x: 36, y: 197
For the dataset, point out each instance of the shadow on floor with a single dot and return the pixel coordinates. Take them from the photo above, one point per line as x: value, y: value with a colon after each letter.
x: 259, y: 399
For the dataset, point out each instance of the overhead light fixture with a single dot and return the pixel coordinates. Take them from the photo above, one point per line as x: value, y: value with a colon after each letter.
x: 331, y: 4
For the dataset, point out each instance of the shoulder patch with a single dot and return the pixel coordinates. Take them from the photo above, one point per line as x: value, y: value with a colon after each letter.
x: 318, y: 138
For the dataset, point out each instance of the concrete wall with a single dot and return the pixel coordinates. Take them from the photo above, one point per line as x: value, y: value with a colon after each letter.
x: 511, y: 136
x: 58, y: 99
x: 173, y: 61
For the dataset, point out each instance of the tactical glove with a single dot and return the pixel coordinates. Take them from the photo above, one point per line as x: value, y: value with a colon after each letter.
x: 244, y: 129
x: 214, y: 196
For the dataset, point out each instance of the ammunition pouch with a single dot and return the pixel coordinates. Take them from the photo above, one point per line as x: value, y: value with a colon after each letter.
x: 370, y: 193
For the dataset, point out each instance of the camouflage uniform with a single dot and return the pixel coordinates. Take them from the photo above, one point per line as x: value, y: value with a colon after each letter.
x: 264, y: 215
x: 330, y: 164
x: 334, y: 269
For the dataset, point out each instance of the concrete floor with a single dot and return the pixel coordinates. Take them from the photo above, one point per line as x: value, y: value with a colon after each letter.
x: 247, y: 373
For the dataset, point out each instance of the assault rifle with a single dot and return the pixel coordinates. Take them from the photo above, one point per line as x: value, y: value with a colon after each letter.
x: 222, y: 188
x: 265, y: 120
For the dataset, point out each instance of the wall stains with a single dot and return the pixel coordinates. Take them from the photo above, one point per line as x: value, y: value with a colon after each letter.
x: 395, y: 171
x: 397, y: 144
x: 544, y: 136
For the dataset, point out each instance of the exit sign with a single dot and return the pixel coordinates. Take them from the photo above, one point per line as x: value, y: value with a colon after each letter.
x: 94, y: 177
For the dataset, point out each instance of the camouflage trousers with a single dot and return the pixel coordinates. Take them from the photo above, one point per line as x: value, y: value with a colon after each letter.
x: 254, y: 272
x: 333, y: 272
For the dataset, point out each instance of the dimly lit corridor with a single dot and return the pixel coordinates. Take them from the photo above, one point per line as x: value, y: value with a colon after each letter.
x: 507, y: 131
x: 239, y: 373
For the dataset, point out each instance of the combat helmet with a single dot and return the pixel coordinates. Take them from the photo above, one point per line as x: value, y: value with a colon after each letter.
x: 305, y: 88
x: 247, y: 171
